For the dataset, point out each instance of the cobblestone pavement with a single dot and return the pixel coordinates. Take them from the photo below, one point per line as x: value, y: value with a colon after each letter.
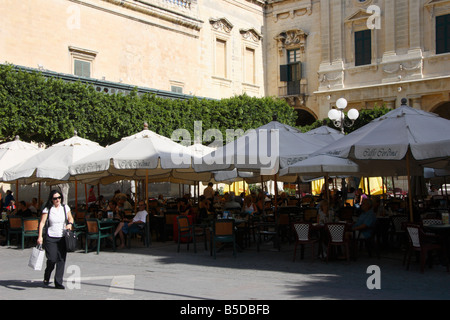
x: 160, y: 273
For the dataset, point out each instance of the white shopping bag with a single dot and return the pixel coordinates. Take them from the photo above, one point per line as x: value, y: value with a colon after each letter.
x: 37, y: 258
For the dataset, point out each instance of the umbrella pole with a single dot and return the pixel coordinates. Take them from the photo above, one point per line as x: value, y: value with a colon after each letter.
x: 76, y: 196
x: 408, y: 170
x: 39, y: 196
x: 393, y: 186
x: 17, y: 191
x: 276, y: 192
x: 86, y: 195
x: 146, y: 188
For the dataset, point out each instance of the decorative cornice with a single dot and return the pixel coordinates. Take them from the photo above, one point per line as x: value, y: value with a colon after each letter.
x: 160, y: 12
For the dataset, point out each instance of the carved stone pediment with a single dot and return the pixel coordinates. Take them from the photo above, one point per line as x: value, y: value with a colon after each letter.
x: 221, y: 24
x: 358, y: 16
x: 292, y: 39
x: 250, y: 34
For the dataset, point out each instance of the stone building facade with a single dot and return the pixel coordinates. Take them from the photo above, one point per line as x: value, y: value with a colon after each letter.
x: 371, y: 52
x: 310, y: 52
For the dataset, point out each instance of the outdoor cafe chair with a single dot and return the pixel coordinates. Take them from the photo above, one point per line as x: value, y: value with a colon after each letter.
x: 23, y: 227
x: 303, y: 232
x: 418, y: 243
x: 189, y: 231
x: 15, y: 226
x: 398, y: 228
x: 223, y: 231
x: 267, y: 231
x: 95, y: 232
x: 336, y: 237
x: 144, y: 232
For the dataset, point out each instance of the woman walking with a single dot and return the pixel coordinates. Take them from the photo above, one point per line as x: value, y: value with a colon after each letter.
x: 56, y: 217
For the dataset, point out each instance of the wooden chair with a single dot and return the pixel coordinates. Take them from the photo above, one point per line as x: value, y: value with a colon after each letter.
x: 95, y: 232
x: 30, y: 229
x: 168, y: 225
x: 223, y: 232
x: 418, y: 243
x: 303, y: 231
x: 188, y: 231
x: 15, y: 226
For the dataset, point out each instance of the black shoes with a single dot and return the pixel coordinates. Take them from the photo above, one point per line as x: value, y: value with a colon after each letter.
x: 57, y: 286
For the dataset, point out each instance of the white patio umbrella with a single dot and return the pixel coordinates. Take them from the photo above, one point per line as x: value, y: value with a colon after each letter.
x: 326, y: 134
x: 401, y: 141
x: 264, y: 150
x: 145, y: 155
x: 52, y: 164
x: 321, y: 165
x: 14, y: 152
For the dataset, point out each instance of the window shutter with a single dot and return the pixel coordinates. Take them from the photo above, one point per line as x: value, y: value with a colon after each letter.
x: 284, y: 73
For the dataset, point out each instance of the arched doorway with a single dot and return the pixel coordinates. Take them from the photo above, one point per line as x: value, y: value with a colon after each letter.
x: 443, y: 110
x: 304, y: 118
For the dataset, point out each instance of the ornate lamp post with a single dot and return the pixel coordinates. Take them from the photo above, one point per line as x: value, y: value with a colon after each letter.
x: 338, y: 116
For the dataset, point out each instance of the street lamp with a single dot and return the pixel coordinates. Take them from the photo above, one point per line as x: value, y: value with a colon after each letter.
x: 338, y: 116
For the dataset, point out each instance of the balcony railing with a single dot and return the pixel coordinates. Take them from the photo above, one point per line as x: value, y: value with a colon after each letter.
x: 292, y: 88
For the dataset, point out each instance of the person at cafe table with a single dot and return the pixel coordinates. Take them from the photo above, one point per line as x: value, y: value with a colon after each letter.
x: 136, y: 223
x: 366, y: 220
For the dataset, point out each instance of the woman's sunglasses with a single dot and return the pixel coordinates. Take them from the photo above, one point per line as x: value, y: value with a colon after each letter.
x: 56, y: 198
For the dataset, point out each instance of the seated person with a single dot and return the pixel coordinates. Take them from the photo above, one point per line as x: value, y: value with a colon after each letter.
x: 135, y: 224
x: 366, y: 220
x: 282, y: 201
x: 184, y: 206
x: 34, y: 206
x: 23, y: 211
x: 123, y: 203
x: 324, y: 214
x: 204, y: 206
x: 249, y: 207
x: 12, y: 206
x: 230, y: 203
x: 114, y: 208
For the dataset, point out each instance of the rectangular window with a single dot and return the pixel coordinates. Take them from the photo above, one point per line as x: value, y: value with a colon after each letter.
x: 293, y: 55
x: 249, y: 66
x: 82, y: 68
x: 221, y: 54
x: 176, y: 89
x: 363, y: 47
x: 443, y: 34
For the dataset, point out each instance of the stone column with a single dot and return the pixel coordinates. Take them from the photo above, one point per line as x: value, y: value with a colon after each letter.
x: 325, y: 31
x: 389, y: 28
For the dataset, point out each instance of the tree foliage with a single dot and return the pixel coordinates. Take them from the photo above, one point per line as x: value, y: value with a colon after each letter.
x: 48, y: 110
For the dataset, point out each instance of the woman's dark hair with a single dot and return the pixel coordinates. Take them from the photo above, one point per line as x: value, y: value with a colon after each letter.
x: 49, y: 203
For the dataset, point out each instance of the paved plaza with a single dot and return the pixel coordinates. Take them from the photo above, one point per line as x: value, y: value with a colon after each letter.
x: 160, y: 273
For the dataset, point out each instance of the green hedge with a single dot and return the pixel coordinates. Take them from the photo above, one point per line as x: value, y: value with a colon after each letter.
x: 48, y: 110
